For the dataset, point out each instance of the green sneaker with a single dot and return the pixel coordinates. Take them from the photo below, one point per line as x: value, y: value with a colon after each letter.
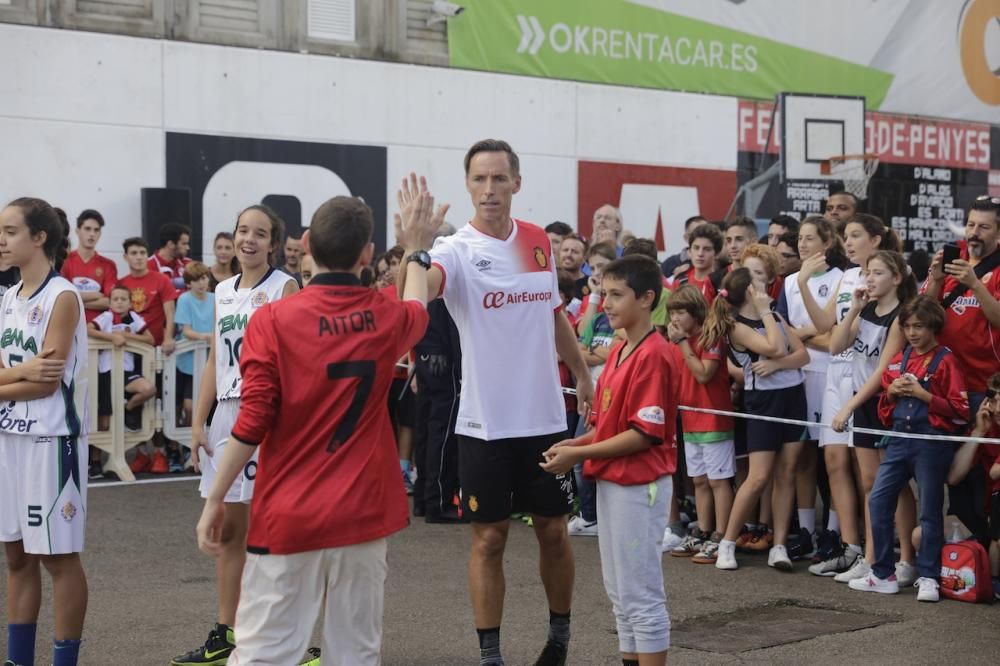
x: 215, y: 652
x: 312, y: 659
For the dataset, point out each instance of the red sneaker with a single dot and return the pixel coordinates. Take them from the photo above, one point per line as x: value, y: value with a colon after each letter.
x: 140, y: 463
x: 160, y: 464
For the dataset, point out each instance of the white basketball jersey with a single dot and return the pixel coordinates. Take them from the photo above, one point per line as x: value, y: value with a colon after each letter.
x: 822, y: 288
x: 851, y: 280
x: 24, y: 321
x: 234, y: 305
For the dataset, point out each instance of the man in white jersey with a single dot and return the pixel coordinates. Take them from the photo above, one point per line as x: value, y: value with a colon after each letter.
x: 498, y: 280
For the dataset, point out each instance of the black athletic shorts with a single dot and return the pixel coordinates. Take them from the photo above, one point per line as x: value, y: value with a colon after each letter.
x: 866, y: 416
x: 104, y: 405
x: 185, y: 385
x: 787, y: 403
x: 503, y: 476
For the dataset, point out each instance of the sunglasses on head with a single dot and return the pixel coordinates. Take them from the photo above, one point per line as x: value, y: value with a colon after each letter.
x: 986, y: 197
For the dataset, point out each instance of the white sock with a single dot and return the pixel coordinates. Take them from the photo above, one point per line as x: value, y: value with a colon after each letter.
x: 833, y: 522
x: 807, y: 519
x: 726, y: 543
x: 856, y: 548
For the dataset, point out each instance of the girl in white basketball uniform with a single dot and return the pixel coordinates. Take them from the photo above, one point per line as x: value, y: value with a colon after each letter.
x: 43, y: 426
x: 863, y: 236
x: 871, y: 328
x: 259, y: 232
x: 816, y: 236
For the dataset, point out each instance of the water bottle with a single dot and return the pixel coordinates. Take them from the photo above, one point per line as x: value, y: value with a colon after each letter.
x: 956, y: 532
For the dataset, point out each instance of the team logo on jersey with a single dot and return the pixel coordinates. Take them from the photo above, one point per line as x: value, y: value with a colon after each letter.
x: 824, y: 289
x: 473, y: 503
x: 35, y: 315
x: 494, y: 300
x: 68, y: 512
x: 99, y: 272
x: 258, y: 299
x: 652, y: 414
x: 541, y: 258
x: 962, y: 303
x: 138, y: 300
x: 606, y: 400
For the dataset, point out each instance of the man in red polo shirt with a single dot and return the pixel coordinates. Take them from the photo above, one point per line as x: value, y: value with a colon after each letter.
x: 92, y: 274
x: 328, y: 491
x: 171, y: 258
x: 704, y: 246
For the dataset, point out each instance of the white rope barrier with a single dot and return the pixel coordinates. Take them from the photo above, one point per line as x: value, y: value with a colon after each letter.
x: 850, y: 427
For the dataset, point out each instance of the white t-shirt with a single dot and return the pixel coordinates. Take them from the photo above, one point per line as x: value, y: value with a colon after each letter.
x: 851, y: 280
x: 502, y: 295
x: 822, y: 287
x: 108, y: 322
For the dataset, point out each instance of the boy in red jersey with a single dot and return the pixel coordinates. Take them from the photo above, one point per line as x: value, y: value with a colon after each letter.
x: 632, y: 453
x: 91, y: 273
x: 327, y: 488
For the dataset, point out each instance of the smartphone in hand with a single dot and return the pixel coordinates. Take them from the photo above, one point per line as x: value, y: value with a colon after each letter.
x: 951, y: 253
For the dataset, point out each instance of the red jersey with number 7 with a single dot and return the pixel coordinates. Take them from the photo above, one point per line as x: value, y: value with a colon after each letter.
x: 316, y: 369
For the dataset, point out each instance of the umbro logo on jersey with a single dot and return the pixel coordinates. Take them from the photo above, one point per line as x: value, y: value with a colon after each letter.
x: 483, y: 264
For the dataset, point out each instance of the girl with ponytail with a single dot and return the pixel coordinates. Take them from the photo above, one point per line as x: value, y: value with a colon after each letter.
x: 741, y: 316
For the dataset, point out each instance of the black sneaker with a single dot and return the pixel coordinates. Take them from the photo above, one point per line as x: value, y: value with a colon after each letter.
x: 828, y: 545
x: 449, y: 516
x: 215, y: 652
x: 313, y: 659
x: 553, y: 654
x: 800, y: 545
x: 133, y: 419
x: 96, y: 471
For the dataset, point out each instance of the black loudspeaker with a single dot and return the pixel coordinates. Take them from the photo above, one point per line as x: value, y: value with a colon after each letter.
x: 161, y: 205
x: 289, y: 209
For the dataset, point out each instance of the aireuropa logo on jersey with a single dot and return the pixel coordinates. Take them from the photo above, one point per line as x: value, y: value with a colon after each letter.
x: 494, y: 300
x: 226, y: 174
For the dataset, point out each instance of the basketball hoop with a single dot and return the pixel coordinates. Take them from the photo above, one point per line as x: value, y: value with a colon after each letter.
x: 855, y: 170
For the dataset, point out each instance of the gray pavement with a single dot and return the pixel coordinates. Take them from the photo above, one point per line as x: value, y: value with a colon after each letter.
x: 152, y: 596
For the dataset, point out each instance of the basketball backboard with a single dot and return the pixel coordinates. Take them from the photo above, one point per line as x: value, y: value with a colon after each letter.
x: 815, y: 128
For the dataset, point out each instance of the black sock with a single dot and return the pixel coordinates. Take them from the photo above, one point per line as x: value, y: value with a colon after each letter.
x: 559, y: 628
x: 489, y: 647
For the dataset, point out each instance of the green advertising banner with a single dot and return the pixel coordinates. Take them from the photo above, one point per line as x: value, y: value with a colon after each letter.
x: 618, y: 42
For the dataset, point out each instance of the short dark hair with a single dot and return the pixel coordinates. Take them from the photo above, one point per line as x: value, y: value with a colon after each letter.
x: 171, y: 232
x: 567, y: 285
x: 135, y: 240
x: 643, y: 246
x: 120, y: 287
x: 707, y: 231
x: 924, y: 309
x: 987, y: 203
x: 340, y: 230
x: 640, y: 273
x: 559, y: 228
x: 691, y: 220
x: 744, y: 222
x: 493, y: 146
x: 89, y: 214
x: 786, y: 221
x: 791, y: 239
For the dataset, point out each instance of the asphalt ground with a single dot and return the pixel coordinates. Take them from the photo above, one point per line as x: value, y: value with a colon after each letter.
x: 152, y: 596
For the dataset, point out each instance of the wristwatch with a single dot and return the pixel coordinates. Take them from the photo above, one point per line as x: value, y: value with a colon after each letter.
x: 422, y: 258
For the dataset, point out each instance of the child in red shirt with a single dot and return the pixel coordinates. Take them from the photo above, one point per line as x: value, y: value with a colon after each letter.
x: 924, y: 394
x: 632, y: 452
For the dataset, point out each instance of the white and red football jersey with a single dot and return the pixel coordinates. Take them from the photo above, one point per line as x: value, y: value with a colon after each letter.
x: 503, y: 294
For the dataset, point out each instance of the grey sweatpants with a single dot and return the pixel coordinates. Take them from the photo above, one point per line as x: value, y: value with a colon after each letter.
x: 632, y: 520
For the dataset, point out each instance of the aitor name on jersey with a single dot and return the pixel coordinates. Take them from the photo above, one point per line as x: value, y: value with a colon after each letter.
x: 355, y: 322
x: 14, y: 337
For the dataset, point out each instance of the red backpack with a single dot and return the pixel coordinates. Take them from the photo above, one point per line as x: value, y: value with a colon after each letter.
x: 965, y: 572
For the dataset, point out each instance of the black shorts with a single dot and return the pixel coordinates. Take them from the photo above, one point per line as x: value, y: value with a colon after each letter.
x: 402, y: 404
x: 786, y: 403
x: 503, y: 476
x: 185, y: 384
x: 866, y: 416
x: 104, y: 405
x: 995, y: 516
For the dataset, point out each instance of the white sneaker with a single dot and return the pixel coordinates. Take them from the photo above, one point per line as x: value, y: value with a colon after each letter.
x: 670, y: 541
x: 777, y: 557
x: 580, y: 527
x: 927, y: 589
x: 872, y: 583
x: 838, y: 563
x: 859, y: 570
x: 726, y: 558
x: 906, y: 574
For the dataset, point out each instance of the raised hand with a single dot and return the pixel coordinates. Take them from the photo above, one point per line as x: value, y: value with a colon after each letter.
x: 417, y: 222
